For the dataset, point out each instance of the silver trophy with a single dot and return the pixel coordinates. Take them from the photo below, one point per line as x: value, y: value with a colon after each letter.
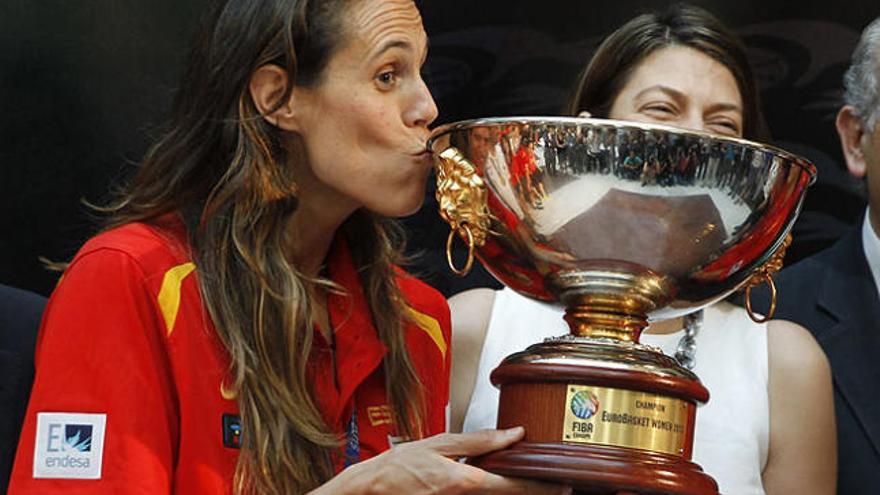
x: 622, y: 223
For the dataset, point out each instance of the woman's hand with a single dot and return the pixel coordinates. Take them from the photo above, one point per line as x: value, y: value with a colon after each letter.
x: 430, y: 466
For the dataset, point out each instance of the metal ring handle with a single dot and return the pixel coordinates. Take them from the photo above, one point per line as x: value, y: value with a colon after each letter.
x: 470, y: 259
x: 772, y: 310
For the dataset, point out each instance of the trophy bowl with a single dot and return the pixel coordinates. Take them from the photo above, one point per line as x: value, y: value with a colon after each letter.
x: 622, y: 223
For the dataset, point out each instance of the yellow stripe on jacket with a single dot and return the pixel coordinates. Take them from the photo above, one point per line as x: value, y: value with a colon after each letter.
x: 430, y: 326
x: 169, y: 293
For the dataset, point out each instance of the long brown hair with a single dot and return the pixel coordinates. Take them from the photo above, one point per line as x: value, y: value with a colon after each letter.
x: 680, y: 24
x: 228, y: 173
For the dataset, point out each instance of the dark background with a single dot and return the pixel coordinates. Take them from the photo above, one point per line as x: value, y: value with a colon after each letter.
x: 84, y: 85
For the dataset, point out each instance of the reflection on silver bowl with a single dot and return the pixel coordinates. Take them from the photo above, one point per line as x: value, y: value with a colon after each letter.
x: 661, y: 220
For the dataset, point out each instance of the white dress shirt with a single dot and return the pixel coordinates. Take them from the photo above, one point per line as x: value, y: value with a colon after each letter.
x: 871, y: 244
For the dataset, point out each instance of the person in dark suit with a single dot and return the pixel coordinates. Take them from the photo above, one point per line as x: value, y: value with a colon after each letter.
x: 20, y: 313
x: 835, y: 292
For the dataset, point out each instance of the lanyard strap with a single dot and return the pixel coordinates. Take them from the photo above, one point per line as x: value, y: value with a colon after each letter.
x: 352, y: 444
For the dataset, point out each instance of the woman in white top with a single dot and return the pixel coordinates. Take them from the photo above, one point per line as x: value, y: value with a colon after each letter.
x: 769, y: 425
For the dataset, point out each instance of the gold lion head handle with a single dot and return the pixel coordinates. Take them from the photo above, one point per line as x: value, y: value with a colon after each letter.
x: 765, y: 274
x: 461, y: 194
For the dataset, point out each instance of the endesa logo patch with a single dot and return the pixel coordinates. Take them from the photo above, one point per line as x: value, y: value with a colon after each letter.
x: 69, y: 445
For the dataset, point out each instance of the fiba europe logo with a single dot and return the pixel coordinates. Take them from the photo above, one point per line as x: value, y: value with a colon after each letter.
x: 584, y: 404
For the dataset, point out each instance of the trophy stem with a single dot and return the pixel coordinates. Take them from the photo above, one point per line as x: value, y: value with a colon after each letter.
x: 586, y: 321
x: 610, y: 301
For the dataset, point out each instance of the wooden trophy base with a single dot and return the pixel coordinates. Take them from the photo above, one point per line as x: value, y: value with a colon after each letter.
x: 604, y: 419
x: 599, y: 469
